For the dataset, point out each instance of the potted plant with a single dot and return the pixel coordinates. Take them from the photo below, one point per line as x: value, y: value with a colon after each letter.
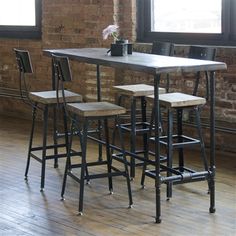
x: 120, y: 46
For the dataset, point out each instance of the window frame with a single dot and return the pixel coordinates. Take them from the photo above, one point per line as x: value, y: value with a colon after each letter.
x: 25, y: 32
x: 227, y: 37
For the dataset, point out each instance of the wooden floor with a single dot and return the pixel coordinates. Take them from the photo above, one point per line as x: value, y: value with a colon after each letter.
x: 26, y: 211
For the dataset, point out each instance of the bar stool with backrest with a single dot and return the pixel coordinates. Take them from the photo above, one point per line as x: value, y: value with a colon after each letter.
x: 136, y: 92
x: 41, y: 101
x: 81, y: 114
x: 177, y: 102
x: 195, y: 52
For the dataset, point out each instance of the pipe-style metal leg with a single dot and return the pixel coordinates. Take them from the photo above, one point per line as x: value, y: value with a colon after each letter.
x: 195, y: 90
x: 212, y: 142
x: 83, y: 166
x: 147, y: 157
x: 108, y: 154
x: 207, y: 86
x: 31, y: 140
x: 99, y: 121
x: 144, y: 126
x: 202, y: 145
x: 180, y: 138
x: 113, y: 141
x: 157, y: 148
x: 44, y: 150
x: 199, y: 129
x: 133, y: 137
x: 68, y: 150
x: 125, y: 162
x: 55, y: 136
x: 169, y: 151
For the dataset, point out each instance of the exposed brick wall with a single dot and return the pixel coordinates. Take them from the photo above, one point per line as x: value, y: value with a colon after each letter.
x: 79, y: 23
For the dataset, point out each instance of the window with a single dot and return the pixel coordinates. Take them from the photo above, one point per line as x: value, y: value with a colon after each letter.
x: 187, y: 21
x: 20, y: 18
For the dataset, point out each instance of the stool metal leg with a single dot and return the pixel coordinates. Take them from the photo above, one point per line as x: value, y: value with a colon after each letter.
x: 203, y: 152
x: 147, y: 156
x: 180, y: 138
x: 196, y: 84
x: 68, y: 149
x: 144, y: 120
x: 55, y: 136
x: 83, y: 166
x: 44, y: 150
x: 113, y: 141
x: 133, y: 137
x: 125, y: 162
x: 169, y: 151
x: 199, y: 129
x: 31, y: 139
x: 108, y: 154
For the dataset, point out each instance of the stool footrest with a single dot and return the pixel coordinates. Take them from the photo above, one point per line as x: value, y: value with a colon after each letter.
x: 97, y: 176
x: 180, y: 177
x: 118, y: 157
x: 105, y: 175
x: 48, y: 147
x: 53, y: 156
x: 179, y: 141
x: 97, y: 163
x: 140, y: 127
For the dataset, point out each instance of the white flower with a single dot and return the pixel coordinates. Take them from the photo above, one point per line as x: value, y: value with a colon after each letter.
x: 110, y: 30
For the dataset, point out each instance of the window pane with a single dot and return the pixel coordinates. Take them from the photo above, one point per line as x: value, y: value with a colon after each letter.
x: 17, y: 12
x: 187, y: 16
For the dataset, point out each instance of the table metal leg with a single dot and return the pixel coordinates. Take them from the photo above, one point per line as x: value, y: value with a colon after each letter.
x: 212, y: 142
x: 157, y: 148
x: 99, y: 121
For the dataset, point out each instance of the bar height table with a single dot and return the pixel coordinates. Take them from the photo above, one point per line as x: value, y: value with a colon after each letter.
x: 155, y: 65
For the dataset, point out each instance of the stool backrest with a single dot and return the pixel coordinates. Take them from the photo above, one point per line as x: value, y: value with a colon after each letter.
x: 62, y: 68
x: 202, y: 53
x: 62, y: 73
x: 23, y: 61
x: 25, y: 67
x: 162, y: 48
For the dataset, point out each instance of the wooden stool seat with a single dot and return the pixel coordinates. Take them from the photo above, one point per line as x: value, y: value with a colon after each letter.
x: 95, y: 109
x: 137, y: 90
x: 175, y: 100
x: 50, y: 97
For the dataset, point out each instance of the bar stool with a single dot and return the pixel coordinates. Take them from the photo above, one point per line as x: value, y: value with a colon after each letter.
x: 81, y: 114
x: 178, y: 102
x: 139, y: 92
x: 41, y: 101
x: 134, y: 127
x: 202, y: 53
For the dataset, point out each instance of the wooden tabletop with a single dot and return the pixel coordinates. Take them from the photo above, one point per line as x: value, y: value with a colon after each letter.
x: 152, y: 64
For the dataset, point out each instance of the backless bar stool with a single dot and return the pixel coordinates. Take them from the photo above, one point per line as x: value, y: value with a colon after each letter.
x: 178, y: 102
x: 40, y: 101
x: 81, y: 114
x: 139, y: 92
x: 135, y: 92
